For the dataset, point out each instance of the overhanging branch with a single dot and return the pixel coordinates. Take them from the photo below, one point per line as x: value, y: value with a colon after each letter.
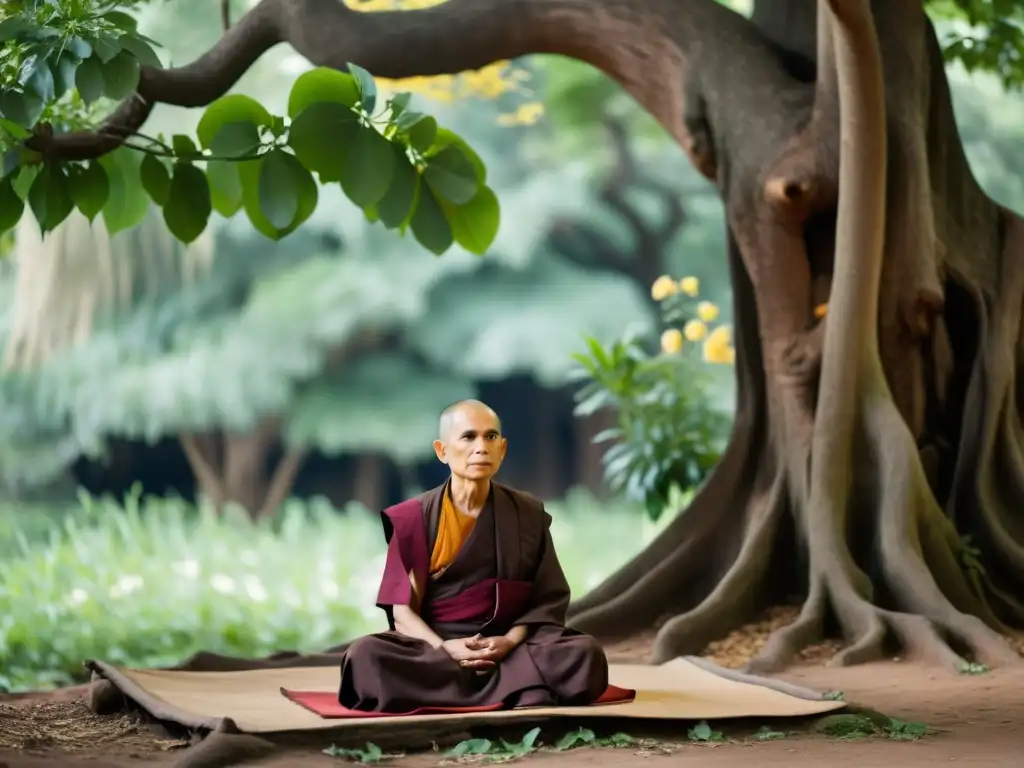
x: 640, y: 43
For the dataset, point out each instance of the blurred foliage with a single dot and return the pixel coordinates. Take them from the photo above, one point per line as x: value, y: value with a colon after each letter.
x: 524, y: 327
x: 668, y: 436
x: 385, y: 404
x: 152, y: 581
x: 985, y: 35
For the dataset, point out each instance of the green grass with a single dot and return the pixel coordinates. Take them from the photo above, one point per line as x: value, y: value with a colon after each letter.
x: 151, y: 581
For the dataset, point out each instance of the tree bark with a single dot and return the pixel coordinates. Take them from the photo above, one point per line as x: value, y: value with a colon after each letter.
x: 867, y: 444
x: 232, y: 468
x: 369, y: 481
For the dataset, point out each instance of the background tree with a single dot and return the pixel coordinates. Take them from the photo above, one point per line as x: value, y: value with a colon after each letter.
x: 188, y: 364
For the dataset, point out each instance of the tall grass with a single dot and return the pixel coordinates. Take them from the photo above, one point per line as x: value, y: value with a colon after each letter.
x: 151, y: 581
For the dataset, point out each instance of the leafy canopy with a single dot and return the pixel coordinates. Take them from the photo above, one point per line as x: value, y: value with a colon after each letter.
x: 66, y: 62
x: 986, y: 35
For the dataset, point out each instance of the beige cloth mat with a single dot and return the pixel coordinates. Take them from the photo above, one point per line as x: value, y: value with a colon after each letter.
x: 682, y: 689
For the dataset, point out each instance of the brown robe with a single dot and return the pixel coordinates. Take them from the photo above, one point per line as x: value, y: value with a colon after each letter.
x: 506, y: 574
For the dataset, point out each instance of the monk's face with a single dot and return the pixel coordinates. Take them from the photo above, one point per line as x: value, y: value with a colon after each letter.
x: 472, y: 446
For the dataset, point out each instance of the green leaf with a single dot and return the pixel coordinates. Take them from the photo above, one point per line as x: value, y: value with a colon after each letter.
x: 23, y: 180
x: 141, y: 50
x: 422, y: 133
x: 446, y: 138
x: 572, y: 738
x: 407, y: 120
x: 89, y: 80
x: 24, y: 109
x: 121, y: 20
x: 394, y: 208
x: 184, y: 148
x: 11, y: 206
x: 235, y: 140
x: 322, y: 85
x: 399, y: 103
x: 90, y: 188
x: 155, y: 178
x: 367, y: 87
x: 234, y: 108
x: 64, y: 74
x: 35, y: 76
x: 225, y: 187
x: 475, y: 224
x: 471, y: 747
x: 188, y: 206
x: 249, y: 173
x: 322, y: 136
x: 529, y: 739
x: 369, y: 167
x: 121, y: 76
x: 452, y: 176
x: 14, y: 130
x: 14, y: 26
x: 278, y: 190
x: 11, y: 162
x: 105, y: 46
x: 704, y: 732
x: 77, y: 47
x: 127, y: 205
x: 50, y: 198
x: 429, y: 224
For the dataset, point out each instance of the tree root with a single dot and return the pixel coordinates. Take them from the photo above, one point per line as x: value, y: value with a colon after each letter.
x: 928, y: 624
x: 735, y: 594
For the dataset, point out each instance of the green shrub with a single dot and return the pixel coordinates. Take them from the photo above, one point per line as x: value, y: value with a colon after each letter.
x: 151, y: 582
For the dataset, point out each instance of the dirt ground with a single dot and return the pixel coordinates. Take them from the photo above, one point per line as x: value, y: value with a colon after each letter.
x: 974, y: 720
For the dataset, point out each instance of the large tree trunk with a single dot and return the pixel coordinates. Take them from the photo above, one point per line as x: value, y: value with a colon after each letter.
x: 826, y: 455
x: 865, y: 446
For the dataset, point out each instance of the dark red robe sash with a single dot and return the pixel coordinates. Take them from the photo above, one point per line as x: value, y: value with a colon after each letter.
x: 496, y: 601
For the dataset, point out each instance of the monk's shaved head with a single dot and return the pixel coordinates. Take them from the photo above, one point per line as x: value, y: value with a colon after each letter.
x: 470, y: 442
x: 448, y: 415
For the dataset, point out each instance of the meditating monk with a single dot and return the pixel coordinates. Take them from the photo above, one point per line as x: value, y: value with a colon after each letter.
x: 474, y: 594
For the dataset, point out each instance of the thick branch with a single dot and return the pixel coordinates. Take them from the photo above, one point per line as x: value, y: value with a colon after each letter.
x: 640, y: 43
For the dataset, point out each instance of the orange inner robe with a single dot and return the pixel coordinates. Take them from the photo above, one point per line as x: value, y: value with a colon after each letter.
x: 452, y: 531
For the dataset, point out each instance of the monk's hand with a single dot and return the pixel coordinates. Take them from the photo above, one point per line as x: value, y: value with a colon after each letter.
x: 468, y: 657
x: 497, y: 647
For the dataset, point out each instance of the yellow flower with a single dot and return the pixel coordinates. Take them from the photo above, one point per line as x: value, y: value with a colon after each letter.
x: 695, y: 330
x: 690, y: 286
x: 663, y: 287
x: 718, y: 346
x: 707, y: 311
x: 672, y: 341
x: 723, y: 356
x: 820, y: 311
